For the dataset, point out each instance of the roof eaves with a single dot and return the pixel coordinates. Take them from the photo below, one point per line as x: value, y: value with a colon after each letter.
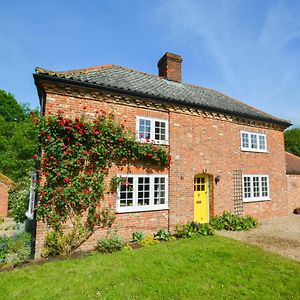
x: 63, y: 79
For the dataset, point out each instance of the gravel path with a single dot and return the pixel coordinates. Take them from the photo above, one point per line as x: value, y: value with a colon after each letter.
x: 281, y: 235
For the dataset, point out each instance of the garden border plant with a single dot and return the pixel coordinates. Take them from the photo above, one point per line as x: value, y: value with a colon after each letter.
x: 75, y: 160
x: 229, y: 221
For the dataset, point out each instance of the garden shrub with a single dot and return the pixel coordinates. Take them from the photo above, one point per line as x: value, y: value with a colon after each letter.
x: 64, y: 244
x: 137, y: 236
x: 148, y: 241
x: 1, y: 221
x: 3, y: 249
x: 15, y: 250
x: 229, y: 221
x: 51, y: 245
x: 164, y: 235
x: 18, y: 200
x: 110, y: 244
x: 192, y: 229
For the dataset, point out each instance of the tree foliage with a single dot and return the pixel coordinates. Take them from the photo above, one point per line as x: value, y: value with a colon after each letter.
x: 292, y: 141
x: 17, y: 138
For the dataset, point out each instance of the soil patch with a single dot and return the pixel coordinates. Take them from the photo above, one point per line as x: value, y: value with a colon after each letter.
x: 280, y: 235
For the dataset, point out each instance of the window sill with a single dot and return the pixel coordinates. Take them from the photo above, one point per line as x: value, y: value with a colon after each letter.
x: 254, y: 150
x: 155, y: 142
x: 121, y: 210
x: 250, y: 200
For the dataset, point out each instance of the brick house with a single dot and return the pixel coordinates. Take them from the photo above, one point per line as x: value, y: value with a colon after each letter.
x: 5, y: 185
x: 293, y: 181
x: 226, y: 155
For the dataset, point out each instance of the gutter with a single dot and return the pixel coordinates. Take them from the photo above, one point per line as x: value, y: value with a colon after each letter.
x: 41, y: 94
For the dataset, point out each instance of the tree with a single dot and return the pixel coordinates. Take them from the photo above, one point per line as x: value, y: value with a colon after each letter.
x: 292, y: 141
x: 11, y: 110
x: 17, y: 138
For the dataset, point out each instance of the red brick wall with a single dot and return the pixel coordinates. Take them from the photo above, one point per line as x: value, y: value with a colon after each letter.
x: 3, y: 200
x: 197, y: 144
x: 293, y: 192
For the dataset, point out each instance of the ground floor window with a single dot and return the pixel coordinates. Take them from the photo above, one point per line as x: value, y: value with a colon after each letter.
x: 142, y: 193
x: 256, y: 188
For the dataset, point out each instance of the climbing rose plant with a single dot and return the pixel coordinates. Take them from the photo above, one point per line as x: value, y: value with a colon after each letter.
x: 76, y: 157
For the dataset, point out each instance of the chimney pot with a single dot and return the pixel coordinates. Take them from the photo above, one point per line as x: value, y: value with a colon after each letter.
x: 169, y: 67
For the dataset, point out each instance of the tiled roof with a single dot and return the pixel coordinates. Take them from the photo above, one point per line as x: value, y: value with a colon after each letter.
x: 151, y: 86
x: 292, y: 164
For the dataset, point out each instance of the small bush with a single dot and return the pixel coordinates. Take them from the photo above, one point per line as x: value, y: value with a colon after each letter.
x: 206, y: 229
x: 51, y: 245
x: 1, y: 221
x: 18, y: 200
x: 65, y: 243
x: 3, y: 249
x: 164, y: 235
x: 192, y: 229
x: 184, y: 231
x: 148, y: 241
x: 229, y: 221
x: 15, y: 250
x: 137, y: 236
x: 110, y: 244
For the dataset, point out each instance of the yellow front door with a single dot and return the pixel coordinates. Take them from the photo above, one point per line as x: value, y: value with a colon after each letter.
x: 201, y: 199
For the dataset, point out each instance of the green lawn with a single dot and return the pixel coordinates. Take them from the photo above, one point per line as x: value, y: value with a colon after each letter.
x: 200, y: 268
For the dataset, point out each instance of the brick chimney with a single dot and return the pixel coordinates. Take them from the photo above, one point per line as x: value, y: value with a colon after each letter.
x: 169, y: 67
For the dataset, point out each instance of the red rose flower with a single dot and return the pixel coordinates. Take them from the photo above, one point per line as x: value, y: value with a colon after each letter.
x: 35, y: 156
x: 120, y: 139
x: 67, y: 180
x: 62, y: 122
x: 43, y: 193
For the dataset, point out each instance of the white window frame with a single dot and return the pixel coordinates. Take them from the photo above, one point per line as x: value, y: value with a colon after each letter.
x: 260, y: 197
x: 249, y: 148
x: 152, y: 130
x: 137, y: 208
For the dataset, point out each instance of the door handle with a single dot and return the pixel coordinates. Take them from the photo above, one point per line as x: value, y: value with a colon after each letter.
x: 198, y: 202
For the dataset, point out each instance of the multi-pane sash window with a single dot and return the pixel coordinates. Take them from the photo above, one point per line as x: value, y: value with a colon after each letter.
x: 255, y: 188
x: 142, y: 193
x: 149, y: 129
x: 255, y: 142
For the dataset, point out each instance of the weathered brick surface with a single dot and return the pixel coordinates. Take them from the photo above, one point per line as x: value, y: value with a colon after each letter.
x: 198, y: 144
x: 3, y: 200
x: 293, y: 192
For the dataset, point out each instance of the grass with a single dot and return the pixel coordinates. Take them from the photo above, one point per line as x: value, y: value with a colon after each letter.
x: 200, y: 268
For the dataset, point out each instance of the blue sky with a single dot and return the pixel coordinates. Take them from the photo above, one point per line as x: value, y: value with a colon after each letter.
x: 247, y: 49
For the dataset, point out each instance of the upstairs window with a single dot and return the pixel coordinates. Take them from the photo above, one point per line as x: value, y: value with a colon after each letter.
x: 255, y: 188
x: 149, y: 129
x: 255, y: 142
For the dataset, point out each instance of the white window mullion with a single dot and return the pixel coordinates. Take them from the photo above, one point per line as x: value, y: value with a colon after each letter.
x: 151, y: 191
x: 135, y: 190
x: 152, y: 135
